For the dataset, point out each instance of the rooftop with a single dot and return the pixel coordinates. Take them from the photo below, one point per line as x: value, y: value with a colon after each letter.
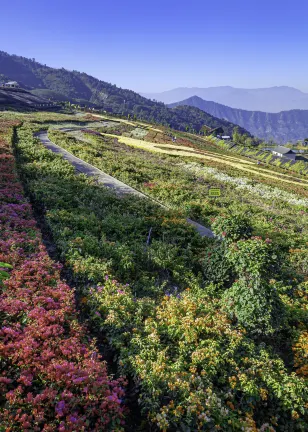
x: 282, y: 150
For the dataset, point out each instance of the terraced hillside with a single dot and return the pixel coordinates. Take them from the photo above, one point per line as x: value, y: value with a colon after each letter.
x: 209, y: 333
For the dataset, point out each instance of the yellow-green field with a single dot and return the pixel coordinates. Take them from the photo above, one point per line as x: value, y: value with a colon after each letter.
x: 180, y: 150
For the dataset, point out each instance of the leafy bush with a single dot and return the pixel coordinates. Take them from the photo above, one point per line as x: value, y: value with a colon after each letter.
x: 4, y: 267
x: 232, y: 228
x: 256, y: 307
x: 216, y: 268
x: 253, y: 258
x: 252, y: 300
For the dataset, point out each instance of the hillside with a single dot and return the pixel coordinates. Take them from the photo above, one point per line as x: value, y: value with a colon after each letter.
x: 197, y: 322
x: 61, y: 84
x: 282, y: 127
x: 272, y: 99
x: 20, y: 98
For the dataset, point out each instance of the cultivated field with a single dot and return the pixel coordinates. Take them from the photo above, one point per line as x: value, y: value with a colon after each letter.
x: 196, y: 334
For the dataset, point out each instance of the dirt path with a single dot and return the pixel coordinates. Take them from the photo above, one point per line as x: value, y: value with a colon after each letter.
x: 107, y: 180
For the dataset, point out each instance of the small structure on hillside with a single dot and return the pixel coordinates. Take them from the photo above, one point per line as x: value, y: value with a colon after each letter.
x: 216, y: 131
x: 226, y: 137
x: 284, y: 152
x: 12, y: 84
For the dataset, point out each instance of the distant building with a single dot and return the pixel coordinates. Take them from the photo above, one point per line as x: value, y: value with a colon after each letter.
x: 226, y: 137
x: 216, y: 131
x: 284, y: 152
x: 12, y: 84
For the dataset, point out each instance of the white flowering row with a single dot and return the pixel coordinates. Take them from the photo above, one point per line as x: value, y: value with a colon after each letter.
x: 266, y: 192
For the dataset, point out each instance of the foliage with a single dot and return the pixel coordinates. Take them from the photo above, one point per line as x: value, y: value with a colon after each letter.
x: 4, y: 267
x: 191, y: 366
x: 252, y: 299
x: 192, y: 359
x: 215, y: 266
x: 194, y: 369
x: 51, y: 375
x: 232, y: 228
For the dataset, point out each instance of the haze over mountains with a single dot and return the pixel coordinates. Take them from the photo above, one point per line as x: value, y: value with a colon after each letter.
x: 192, y: 112
x: 270, y: 100
x: 282, y: 127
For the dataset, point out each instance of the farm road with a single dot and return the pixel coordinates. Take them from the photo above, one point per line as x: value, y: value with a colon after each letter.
x: 108, y: 181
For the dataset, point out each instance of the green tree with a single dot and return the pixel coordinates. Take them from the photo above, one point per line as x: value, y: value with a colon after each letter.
x: 236, y: 136
x: 249, y: 142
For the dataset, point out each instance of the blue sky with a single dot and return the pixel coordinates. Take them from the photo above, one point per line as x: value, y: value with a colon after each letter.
x: 151, y: 46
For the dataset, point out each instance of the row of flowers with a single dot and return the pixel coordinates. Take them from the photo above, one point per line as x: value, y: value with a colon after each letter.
x: 266, y: 192
x: 51, y: 375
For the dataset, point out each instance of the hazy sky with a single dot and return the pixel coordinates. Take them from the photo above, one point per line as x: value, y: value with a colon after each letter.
x: 156, y: 45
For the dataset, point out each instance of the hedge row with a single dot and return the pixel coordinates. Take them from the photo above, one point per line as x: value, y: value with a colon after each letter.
x: 51, y: 375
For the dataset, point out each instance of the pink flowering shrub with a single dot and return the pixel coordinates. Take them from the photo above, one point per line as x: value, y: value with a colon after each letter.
x: 51, y: 376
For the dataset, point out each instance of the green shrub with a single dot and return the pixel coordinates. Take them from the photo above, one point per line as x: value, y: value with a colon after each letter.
x: 216, y: 268
x: 252, y: 300
x: 256, y: 306
x: 253, y: 258
x: 232, y: 228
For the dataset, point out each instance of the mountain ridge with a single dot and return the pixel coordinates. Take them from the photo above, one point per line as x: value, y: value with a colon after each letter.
x: 85, y: 89
x: 285, y: 126
x: 271, y: 99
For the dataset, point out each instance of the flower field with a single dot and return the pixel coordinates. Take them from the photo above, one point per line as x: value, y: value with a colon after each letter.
x: 51, y: 375
x: 211, y: 334
x: 276, y: 210
x: 242, y: 165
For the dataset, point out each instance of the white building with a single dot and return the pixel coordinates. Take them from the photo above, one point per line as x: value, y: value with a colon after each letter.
x: 284, y: 152
x: 12, y: 84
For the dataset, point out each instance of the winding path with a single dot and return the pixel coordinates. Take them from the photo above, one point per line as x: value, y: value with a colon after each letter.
x: 108, y: 181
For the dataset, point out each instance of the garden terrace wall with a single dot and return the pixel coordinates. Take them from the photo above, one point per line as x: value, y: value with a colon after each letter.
x: 51, y: 376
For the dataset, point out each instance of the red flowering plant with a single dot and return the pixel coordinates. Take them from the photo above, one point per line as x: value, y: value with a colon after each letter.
x: 51, y: 376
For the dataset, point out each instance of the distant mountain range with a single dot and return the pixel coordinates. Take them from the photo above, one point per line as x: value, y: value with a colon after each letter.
x: 61, y: 84
x: 270, y: 100
x: 282, y: 127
